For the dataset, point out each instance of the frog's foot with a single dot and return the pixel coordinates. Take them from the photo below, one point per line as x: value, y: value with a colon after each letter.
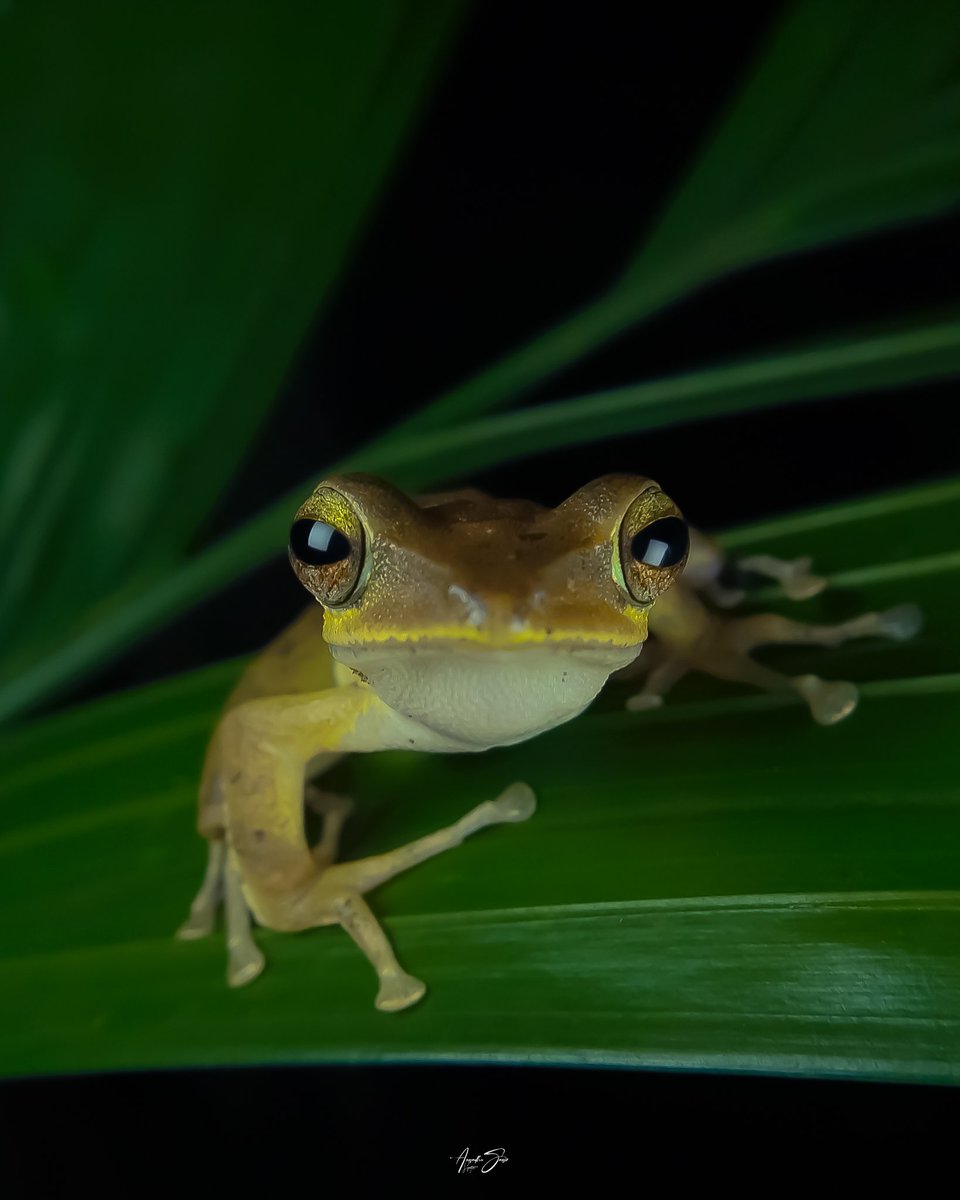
x: 399, y: 991
x: 203, y: 910
x: 337, y: 894
x: 829, y: 701
x: 901, y: 622
x: 793, y: 575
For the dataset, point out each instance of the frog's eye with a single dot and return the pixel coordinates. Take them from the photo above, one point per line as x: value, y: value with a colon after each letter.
x: 654, y: 542
x: 317, y: 544
x: 663, y: 543
x: 327, y: 547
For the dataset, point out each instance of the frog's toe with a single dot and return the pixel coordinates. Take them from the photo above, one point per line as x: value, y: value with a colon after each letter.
x: 901, y: 622
x: 644, y: 700
x: 398, y: 990
x: 830, y: 701
x: 724, y: 597
x: 197, y: 925
x: 517, y: 803
x: 244, y: 965
x: 798, y: 583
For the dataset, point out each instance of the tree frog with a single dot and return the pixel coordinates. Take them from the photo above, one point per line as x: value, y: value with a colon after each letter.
x: 451, y: 623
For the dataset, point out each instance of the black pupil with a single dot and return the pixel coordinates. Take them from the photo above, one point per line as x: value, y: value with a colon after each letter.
x: 662, y: 544
x: 318, y: 544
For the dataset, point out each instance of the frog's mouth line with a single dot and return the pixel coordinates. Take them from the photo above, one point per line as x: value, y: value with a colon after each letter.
x: 611, y: 655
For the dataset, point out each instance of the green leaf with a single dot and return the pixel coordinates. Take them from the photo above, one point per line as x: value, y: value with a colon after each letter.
x: 849, y: 123
x: 923, y: 352
x: 721, y: 884
x: 861, y: 364
x: 166, y: 238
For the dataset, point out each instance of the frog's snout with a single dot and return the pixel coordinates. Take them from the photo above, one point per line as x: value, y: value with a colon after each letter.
x: 495, y: 611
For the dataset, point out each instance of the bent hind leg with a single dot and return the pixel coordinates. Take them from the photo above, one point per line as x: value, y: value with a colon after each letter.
x: 727, y: 654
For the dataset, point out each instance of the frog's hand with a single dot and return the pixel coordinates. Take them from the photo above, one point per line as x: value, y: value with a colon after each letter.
x: 793, y: 575
x: 660, y: 680
x: 722, y: 578
x: 335, y: 810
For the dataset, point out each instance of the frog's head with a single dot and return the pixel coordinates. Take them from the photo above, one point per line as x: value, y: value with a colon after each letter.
x: 486, y: 620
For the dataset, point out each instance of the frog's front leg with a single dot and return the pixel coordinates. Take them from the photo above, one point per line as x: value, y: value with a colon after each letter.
x: 660, y: 680
x: 724, y: 579
x: 335, y: 810
x: 265, y: 748
x: 793, y: 575
x: 339, y: 891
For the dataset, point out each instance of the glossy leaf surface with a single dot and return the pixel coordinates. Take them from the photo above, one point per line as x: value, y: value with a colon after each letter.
x: 721, y: 884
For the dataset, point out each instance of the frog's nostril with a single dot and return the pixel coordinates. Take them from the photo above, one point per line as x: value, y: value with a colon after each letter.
x: 476, y: 609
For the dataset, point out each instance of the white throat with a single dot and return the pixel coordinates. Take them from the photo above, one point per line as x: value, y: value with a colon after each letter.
x: 480, y: 697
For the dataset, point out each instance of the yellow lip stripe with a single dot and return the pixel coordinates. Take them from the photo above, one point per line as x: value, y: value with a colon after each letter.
x: 337, y: 630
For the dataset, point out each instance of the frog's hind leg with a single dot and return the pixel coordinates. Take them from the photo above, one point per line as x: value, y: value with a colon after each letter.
x: 211, y: 823
x: 221, y: 880
x: 203, y: 910
x: 245, y: 960
x: 221, y: 885
x: 726, y: 654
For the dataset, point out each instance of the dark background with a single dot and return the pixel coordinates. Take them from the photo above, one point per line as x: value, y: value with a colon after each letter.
x: 555, y: 137
x: 556, y: 134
